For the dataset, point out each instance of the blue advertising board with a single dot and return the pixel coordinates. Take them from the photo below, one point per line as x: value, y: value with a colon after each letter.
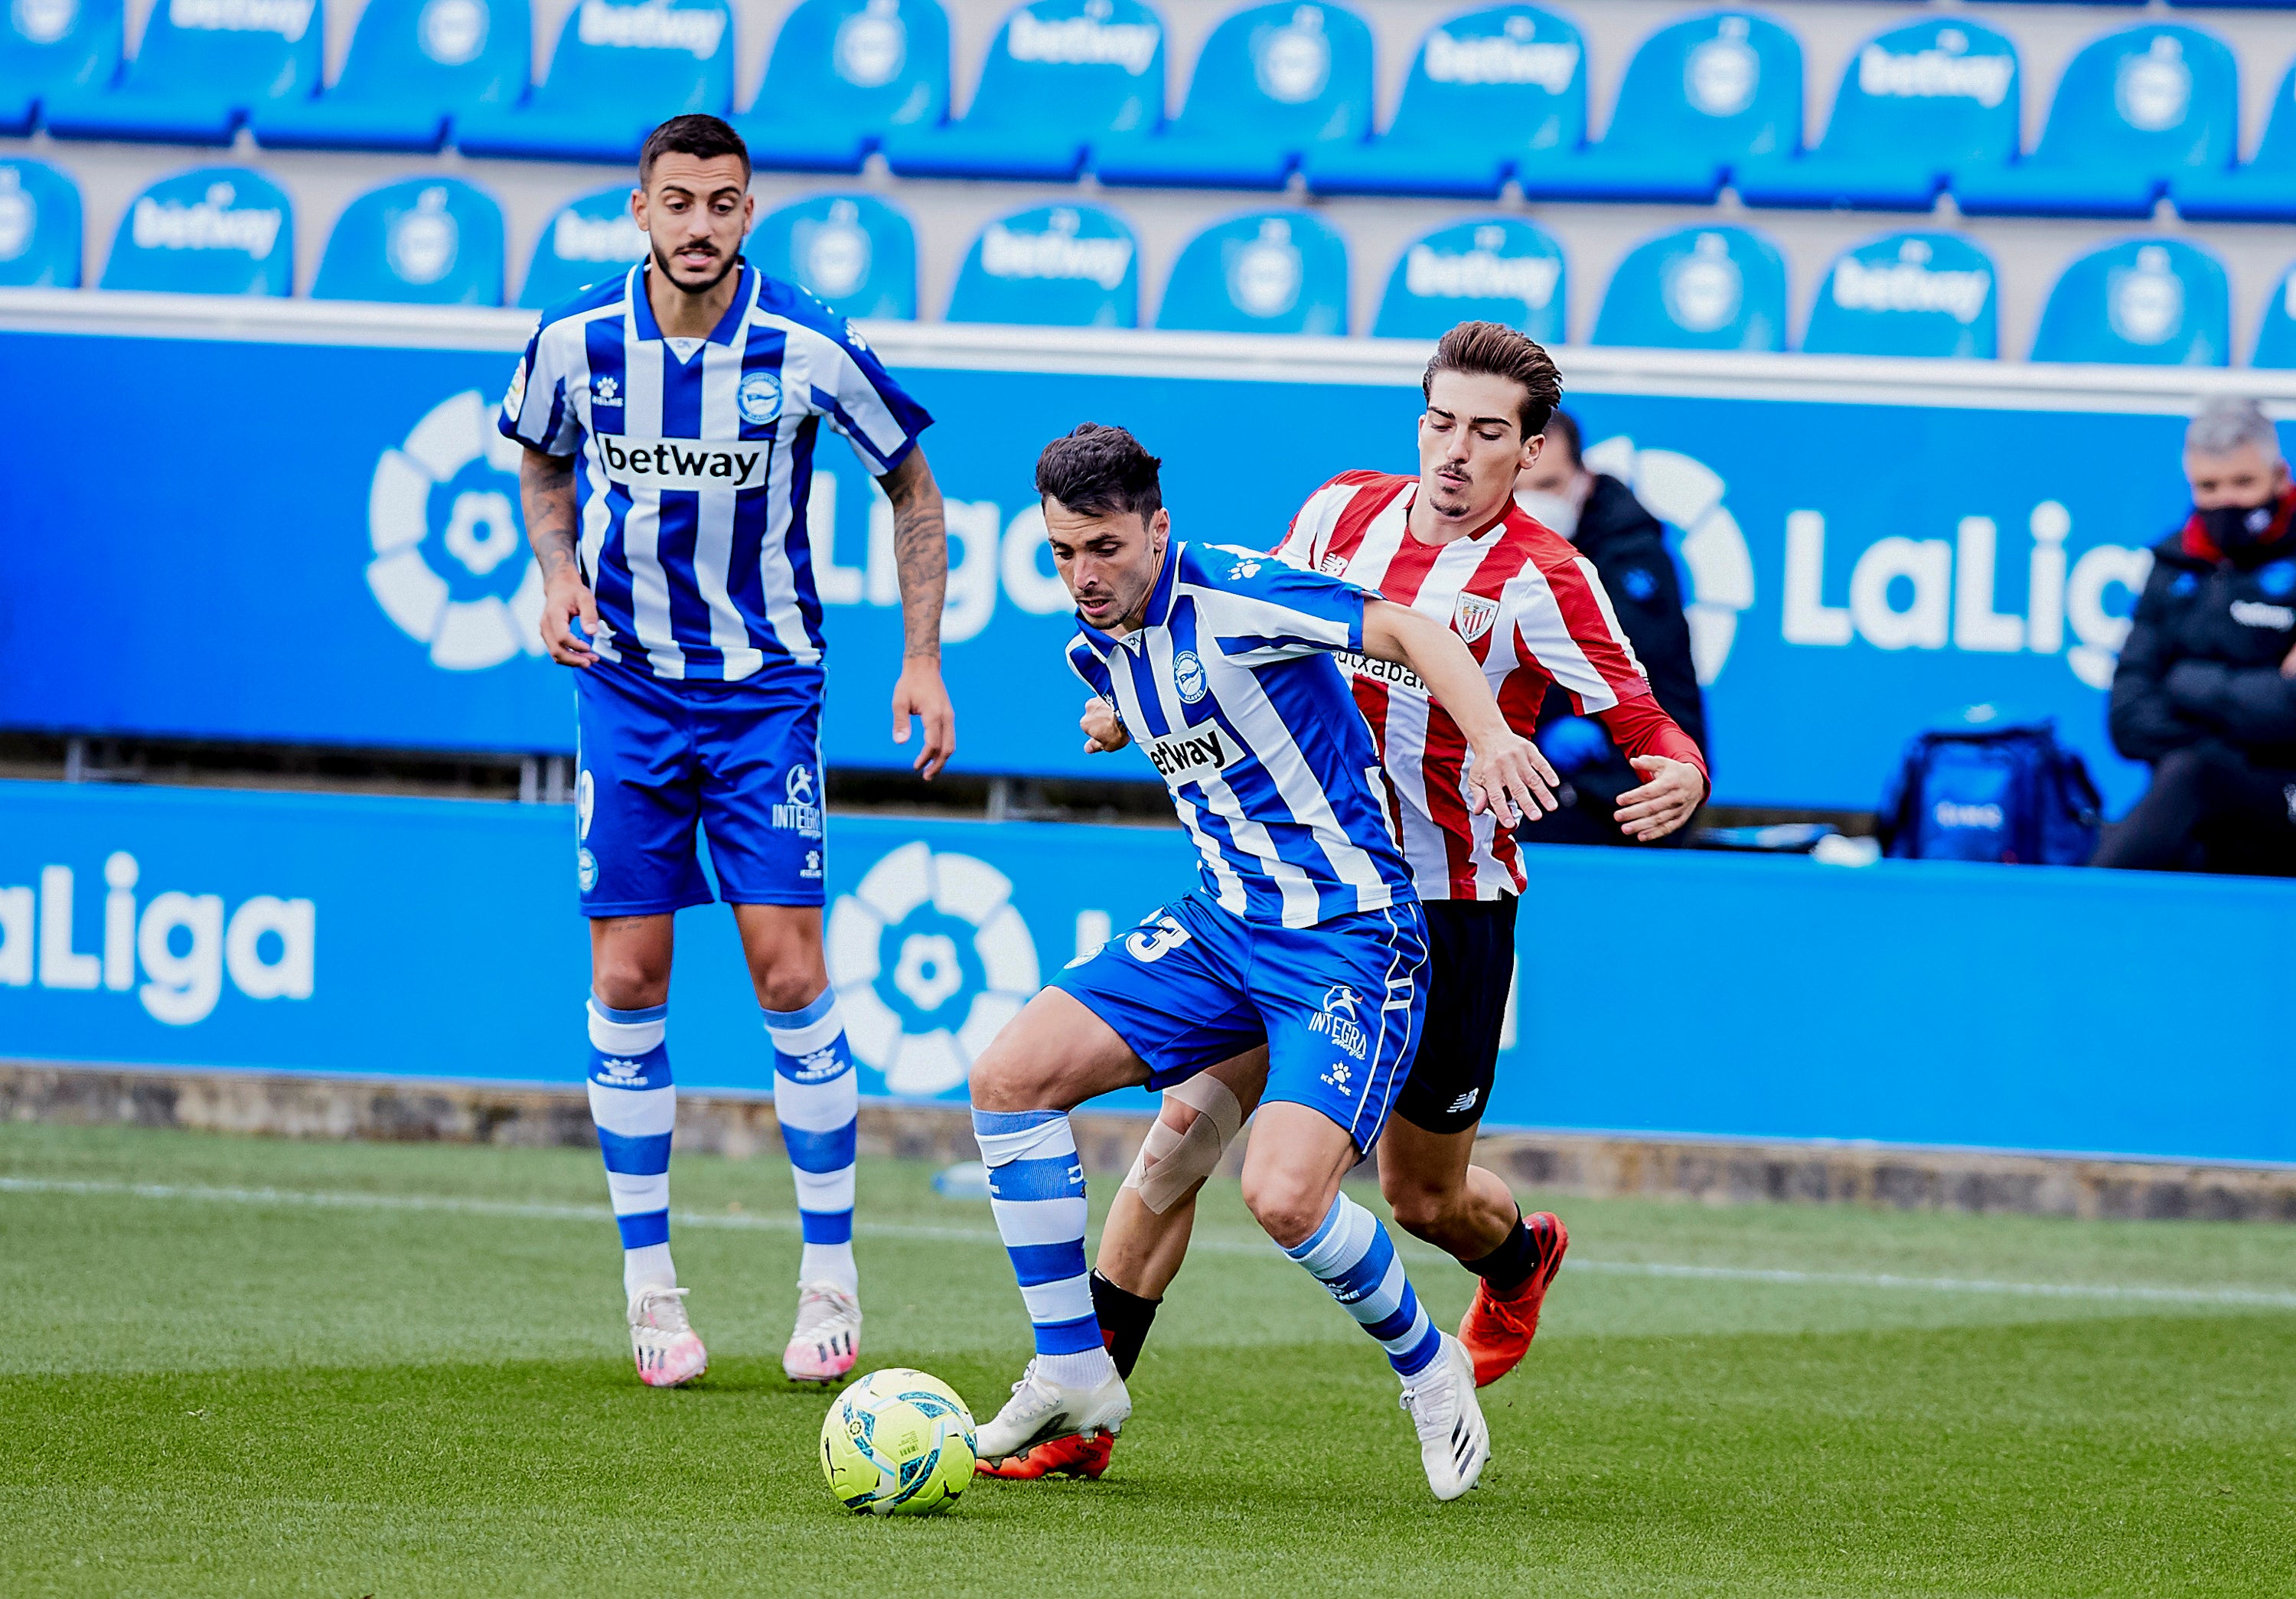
x: 235, y: 533
x: 1914, y: 1002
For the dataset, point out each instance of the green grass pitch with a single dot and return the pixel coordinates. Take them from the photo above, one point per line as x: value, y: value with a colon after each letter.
x: 248, y: 1367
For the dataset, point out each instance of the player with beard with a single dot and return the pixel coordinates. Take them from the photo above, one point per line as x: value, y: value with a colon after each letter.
x: 668, y: 417
x: 1452, y: 545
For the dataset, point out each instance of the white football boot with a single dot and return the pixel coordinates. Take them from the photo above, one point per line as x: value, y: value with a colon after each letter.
x: 662, y: 1341
x: 1038, y: 1412
x: 1454, y: 1439
x: 828, y: 1337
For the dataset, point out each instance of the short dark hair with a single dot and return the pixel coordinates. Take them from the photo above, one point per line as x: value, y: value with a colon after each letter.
x: 1101, y: 471
x: 694, y: 134
x: 1562, y: 434
x: 1499, y: 351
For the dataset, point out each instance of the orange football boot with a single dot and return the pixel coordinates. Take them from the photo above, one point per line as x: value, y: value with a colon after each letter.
x: 1497, y: 1330
x: 1079, y: 1454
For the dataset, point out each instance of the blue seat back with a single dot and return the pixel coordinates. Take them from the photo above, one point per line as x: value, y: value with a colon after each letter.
x: 1085, y: 67
x: 1725, y: 85
x: 863, y: 64
x: 213, y: 230
x: 1265, y: 272
x: 39, y: 227
x: 2275, y: 334
x: 660, y: 57
x: 1292, y: 72
x: 243, y: 53
x: 1946, y: 90
x: 586, y: 241
x: 47, y: 44
x: 1493, y: 269
x: 1052, y: 265
x: 443, y: 55
x: 1702, y: 288
x: 427, y: 241
x: 2146, y: 99
x: 1908, y: 294
x: 1513, y: 77
x: 2276, y: 153
x: 853, y: 252
x: 2150, y: 302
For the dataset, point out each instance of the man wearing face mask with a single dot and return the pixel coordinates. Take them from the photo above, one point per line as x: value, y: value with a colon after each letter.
x: 2206, y: 688
x: 1600, y: 516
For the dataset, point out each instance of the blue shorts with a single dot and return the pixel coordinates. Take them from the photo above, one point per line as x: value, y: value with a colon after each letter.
x: 1338, y: 1004
x: 742, y: 758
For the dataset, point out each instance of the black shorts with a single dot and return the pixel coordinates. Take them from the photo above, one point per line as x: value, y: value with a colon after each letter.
x: 1470, y: 967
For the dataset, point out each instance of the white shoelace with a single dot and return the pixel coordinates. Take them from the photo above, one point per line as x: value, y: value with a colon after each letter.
x: 662, y: 1310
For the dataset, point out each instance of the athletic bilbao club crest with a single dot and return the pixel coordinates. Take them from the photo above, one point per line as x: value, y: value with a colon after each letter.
x: 1473, y: 615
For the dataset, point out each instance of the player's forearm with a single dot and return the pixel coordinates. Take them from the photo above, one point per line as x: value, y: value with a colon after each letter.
x: 1641, y: 727
x: 1397, y: 633
x: 545, y: 493
x: 919, y: 552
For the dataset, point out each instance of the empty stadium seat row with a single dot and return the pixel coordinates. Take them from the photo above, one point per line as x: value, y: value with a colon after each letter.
x: 437, y: 241
x: 1493, y: 95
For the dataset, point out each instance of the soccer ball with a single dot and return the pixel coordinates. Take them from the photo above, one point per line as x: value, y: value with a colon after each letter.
x: 897, y: 1443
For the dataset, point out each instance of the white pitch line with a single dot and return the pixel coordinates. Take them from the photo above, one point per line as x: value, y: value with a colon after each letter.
x: 593, y: 1214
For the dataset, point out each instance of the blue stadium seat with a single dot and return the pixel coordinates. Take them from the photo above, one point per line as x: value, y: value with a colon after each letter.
x: 843, y: 71
x: 618, y: 72
x: 1908, y: 294
x: 1490, y: 269
x: 1053, y: 265
x: 2148, y: 302
x: 1914, y: 102
x: 1702, y: 288
x: 1272, y: 82
x: 423, y: 241
x: 1486, y: 90
x: 586, y: 241
x: 413, y: 65
x: 39, y: 227
x: 852, y: 252
x: 2263, y: 190
x: 1700, y: 96
x: 1265, y: 272
x: 2132, y: 110
x: 51, y: 46
x: 2275, y: 334
x: 1061, y: 75
x: 203, y: 67
x: 213, y: 230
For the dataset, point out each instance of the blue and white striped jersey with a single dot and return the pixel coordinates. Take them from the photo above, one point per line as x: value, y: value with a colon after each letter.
x: 1230, y: 692
x: 696, y: 465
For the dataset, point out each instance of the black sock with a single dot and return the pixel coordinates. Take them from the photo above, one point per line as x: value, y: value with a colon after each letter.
x: 1511, y: 1265
x: 1123, y: 1318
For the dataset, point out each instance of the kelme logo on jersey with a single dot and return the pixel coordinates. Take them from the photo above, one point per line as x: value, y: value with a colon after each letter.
x: 1188, y: 676
x: 1182, y: 756
x: 759, y: 397
x: 636, y: 462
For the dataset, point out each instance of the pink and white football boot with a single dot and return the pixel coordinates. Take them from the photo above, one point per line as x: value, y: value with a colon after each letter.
x: 828, y: 1337
x: 663, y: 1343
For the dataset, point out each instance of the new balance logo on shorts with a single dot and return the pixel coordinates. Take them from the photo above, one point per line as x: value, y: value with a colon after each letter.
x: 678, y: 462
x: 1185, y: 754
x: 1465, y: 1103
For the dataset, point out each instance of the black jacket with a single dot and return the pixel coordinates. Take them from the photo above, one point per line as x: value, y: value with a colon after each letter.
x: 2202, y: 657
x: 1627, y: 545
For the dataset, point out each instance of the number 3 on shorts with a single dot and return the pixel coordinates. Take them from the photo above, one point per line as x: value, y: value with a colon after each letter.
x: 1154, y: 943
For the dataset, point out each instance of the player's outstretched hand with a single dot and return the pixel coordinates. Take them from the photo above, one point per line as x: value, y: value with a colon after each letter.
x: 1671, y: 797
x: 1511, y: 779
x: 920, y: 693
x: 1103, y: 728
x: 563, y: 598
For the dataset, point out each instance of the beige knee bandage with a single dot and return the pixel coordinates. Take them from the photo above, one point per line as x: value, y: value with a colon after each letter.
x: 1170, y: 1163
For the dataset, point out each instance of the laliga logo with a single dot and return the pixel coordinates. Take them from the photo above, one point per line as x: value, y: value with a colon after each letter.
x: 1688, y: 495
x: 919, y: 934
x: 449, y: 563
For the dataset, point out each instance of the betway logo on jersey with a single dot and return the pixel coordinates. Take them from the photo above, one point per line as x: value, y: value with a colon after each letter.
x: 1182, y: 757
x: 637, y: 463
x: 1380, y: 671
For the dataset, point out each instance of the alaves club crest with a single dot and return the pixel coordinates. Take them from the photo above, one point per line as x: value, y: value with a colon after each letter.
x: 1473, y: 615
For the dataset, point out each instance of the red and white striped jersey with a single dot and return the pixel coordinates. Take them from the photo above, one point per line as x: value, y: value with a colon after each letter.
x: 1529, y: 608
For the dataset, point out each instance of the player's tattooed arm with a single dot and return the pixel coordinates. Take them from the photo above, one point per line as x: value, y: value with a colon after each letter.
x: 921, y: 561
x: 1508, y: 774
x: 545, y: 493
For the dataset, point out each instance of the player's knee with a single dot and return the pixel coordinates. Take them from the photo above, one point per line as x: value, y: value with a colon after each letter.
x: 630, y: 979
x: 1287, y: 1204
x: 1419, y: 1210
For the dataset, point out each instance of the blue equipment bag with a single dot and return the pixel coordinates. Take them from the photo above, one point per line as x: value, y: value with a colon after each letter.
x: 1988, y: 789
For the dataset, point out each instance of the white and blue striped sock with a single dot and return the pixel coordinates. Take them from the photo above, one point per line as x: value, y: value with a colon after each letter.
x: 815, y: 1099
x: 1351, y: 1255
x: 1036, y: 1190
x: 635, y: 1107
